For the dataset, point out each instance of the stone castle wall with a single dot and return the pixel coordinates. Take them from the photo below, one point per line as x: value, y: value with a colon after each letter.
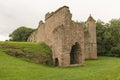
x: 41, y: 32
x: 90, y: 39
x: 69, y: 42
x: 56, y: 19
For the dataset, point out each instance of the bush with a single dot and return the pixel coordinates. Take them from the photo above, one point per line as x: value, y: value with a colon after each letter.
x: 115, y: 51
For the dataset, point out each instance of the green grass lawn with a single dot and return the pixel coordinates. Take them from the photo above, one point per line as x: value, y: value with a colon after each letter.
x: 11, y: 68
x: 105, y: 68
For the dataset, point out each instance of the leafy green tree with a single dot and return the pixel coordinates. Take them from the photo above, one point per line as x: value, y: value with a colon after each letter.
x: 115, y: 31
x: 108, y: 37
x: 103, y: 38
x: 100, y: 31
x: 20, y: 34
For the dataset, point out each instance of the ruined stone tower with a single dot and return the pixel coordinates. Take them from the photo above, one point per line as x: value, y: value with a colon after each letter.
x: 90, y: 39
x: 71, y: 42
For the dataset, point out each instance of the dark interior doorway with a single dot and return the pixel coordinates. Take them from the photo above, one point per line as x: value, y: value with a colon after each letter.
x: 75, y: 54
x: 56, y: 62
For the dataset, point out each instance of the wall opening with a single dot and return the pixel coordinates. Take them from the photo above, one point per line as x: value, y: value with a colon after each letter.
x: 75, y: 54
x: 56, y: 62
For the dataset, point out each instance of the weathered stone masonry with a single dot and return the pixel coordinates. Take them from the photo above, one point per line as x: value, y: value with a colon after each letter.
x: 71, y: 42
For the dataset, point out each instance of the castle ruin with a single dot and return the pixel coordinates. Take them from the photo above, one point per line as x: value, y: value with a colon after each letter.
x: 71, y: 42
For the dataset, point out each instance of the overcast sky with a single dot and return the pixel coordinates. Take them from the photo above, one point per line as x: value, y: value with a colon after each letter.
x: 16, y: 13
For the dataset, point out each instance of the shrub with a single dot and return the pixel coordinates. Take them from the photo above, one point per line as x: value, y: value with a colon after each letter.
x: 115, y: 51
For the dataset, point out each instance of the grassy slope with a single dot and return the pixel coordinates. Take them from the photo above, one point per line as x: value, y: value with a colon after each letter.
x: 30, y: 47
x: 105, y: 68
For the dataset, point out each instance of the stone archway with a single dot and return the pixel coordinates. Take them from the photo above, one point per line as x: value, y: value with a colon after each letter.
x: 56, y: 62
x: 75, y: 54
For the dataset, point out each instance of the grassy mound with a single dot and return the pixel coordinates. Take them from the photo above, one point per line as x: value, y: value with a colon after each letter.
x: 31, y: 47
x: 38, y: 53
x: 105, y: 68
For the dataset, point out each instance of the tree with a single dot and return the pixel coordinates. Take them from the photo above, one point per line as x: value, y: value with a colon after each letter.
x: 115, y: 31
x: 20, y: 34
x: 103, y: 38
x: 108, y: 38
x: 100, y: 29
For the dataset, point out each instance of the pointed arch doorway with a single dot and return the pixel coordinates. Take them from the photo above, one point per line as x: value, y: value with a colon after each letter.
x: 75, y: 54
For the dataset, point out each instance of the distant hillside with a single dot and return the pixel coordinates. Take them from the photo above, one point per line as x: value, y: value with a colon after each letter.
x: 35, y: 52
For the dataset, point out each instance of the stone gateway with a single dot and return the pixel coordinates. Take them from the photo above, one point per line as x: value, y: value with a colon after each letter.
x: 71, y: 42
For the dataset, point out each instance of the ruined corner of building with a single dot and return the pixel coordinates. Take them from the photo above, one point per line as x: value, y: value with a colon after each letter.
x: 71, y: 42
